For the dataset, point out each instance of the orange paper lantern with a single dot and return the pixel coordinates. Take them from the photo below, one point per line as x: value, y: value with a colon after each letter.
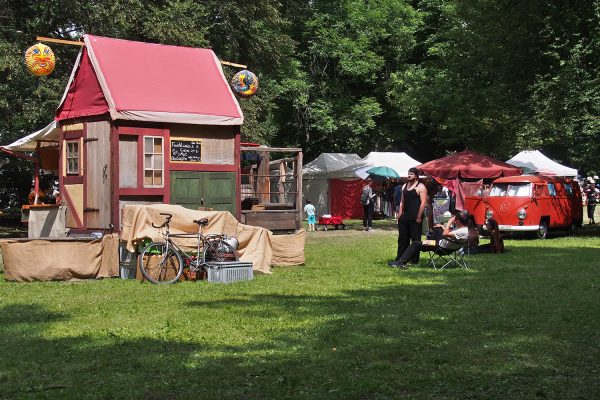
x: 40, y: 59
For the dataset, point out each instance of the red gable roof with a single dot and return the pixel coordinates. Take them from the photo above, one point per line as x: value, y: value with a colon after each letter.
x: 149, y: 82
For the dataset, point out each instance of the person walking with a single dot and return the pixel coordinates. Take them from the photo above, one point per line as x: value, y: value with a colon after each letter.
x: 397, y: 198
x: 367, y: 199
x: 311, y: 215
x: 592, y: 199
x: 412, y: 206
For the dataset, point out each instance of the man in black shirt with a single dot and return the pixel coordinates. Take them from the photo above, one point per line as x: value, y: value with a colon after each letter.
x: 412, y: 206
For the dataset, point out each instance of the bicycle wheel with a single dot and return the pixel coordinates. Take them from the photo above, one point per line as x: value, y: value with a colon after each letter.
x: 218, y: 250
x: 159, y: 265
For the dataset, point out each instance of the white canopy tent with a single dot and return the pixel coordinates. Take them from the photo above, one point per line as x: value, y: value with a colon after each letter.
x: 400, y: 162
x: 29, y: 142
x: 534, y: 162
x: 316, y: 174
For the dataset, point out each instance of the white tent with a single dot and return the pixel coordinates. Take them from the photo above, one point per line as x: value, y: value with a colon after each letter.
x: 316, y: 174
x: 534, y: 162
x: 401, y: 162
x: 29, y: 142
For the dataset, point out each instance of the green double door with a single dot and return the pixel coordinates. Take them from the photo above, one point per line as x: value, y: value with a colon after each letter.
x: 204, y: 189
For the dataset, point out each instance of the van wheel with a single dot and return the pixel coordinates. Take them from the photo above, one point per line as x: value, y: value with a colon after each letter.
x: 542, y: 231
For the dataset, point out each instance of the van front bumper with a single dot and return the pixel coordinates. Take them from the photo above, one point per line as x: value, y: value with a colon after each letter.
x: 518, y: 228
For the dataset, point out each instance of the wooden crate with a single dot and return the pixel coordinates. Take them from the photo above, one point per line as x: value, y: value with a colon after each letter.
x: 273, y: 220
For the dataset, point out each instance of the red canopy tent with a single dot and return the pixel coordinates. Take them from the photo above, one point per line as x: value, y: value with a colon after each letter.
x: 453, y: 169
x: 468, y: 165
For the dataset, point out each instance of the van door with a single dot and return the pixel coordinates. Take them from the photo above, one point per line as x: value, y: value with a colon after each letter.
x: 554, y: 209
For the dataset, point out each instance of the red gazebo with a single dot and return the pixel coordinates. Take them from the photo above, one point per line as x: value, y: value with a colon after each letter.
x: 468, y: 165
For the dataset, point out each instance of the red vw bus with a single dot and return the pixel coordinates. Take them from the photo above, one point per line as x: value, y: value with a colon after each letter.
x: 529, y: 204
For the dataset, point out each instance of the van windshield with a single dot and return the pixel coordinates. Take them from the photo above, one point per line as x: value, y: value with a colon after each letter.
x: 511, y: 189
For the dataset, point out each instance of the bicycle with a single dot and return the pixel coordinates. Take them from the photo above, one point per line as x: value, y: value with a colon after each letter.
x: 163, y: 262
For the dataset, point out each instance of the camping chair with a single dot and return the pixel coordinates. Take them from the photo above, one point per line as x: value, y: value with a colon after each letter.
x: 440, y: 258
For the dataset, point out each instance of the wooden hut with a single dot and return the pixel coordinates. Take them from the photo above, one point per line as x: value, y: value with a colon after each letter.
x: 145, y: 123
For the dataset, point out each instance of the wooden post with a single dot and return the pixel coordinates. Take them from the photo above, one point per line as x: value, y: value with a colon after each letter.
x: 252, y: 181
x: 264, y: 183
x: 298, y: 172
x: 281, y: 184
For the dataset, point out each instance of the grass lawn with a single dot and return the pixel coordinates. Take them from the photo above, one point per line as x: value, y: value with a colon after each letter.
x: 521, y: 325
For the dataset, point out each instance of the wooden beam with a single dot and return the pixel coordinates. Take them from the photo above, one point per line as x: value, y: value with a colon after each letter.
x: 234, y: 64
x: 272, y: 149
x: 60, y: 41
x: 77, y: 43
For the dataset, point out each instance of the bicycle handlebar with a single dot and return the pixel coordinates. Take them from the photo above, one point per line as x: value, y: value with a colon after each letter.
x: 167, y: 220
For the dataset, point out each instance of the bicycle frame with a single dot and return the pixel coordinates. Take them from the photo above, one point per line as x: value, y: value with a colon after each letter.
x: 197, y: 262
x: 210, y: 247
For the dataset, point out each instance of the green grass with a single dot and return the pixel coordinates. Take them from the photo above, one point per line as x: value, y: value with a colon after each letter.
x: 521, y: 325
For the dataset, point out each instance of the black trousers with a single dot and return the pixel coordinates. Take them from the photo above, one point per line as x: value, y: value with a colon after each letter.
x: 368, y: 215
x: 591, y: 208
x: 408, y: 231
x: 415, y: 248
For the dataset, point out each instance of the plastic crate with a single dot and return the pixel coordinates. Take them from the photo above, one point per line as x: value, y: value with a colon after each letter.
x: 229, y: 271
x: 127, y: 263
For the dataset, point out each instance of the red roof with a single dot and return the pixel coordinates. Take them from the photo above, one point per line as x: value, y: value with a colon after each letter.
x: 532, y: 179
x: 468, y: 164
x: 149, y: 82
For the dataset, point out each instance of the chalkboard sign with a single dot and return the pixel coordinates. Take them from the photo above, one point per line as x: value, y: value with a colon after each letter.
x: 186, y: 150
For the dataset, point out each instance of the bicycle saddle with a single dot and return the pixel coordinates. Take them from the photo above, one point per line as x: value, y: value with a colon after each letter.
x: 201, y: 222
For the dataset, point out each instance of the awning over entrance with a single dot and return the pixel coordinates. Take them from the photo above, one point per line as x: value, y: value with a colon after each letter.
x: 29, y: 142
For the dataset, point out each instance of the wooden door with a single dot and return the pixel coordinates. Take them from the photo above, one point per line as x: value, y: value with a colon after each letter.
x: 203, y: 189
x: 97, y: 204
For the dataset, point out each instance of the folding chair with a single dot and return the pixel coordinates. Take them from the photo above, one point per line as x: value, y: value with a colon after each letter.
x: 440, y: 258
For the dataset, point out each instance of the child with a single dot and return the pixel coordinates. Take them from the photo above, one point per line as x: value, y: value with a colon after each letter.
x: 496, y: 244
x: 310, y: 211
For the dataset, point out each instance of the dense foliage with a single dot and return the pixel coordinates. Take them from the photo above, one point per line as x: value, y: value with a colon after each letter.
x: 423, y: 76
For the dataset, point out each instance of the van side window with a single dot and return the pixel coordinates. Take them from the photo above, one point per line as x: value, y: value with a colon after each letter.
x: 568, y: 189
x: 552, y: 189
x: 541, y: 190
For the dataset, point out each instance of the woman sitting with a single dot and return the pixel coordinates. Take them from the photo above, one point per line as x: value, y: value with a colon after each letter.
x: 452, y: 236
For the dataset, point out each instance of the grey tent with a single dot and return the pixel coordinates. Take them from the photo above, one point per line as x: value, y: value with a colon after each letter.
x: 316, y: 175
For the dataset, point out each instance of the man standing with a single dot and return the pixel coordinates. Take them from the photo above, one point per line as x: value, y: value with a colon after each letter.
x: 412, y: 206
x: 367, y: 200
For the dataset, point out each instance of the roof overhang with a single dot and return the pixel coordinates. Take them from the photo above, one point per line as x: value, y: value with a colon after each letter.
x: 50, y: 133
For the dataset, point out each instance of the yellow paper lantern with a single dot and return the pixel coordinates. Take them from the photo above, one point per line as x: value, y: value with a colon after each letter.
x: 40, y: 59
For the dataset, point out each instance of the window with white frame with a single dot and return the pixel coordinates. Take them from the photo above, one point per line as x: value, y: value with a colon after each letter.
x: 73, y: 158
x: 153, y: 161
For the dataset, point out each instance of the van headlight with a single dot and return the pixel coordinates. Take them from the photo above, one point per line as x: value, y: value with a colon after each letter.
x: 522, y: 214
x: 489, y: 214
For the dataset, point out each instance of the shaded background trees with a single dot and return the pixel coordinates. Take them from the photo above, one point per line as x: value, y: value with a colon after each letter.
x: 422, y: 76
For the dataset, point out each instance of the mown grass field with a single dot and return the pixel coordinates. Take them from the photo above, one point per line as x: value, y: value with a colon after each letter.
x: 521, y: 325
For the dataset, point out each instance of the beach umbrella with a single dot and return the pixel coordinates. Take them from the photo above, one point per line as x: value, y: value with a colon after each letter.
x: 382, y: 172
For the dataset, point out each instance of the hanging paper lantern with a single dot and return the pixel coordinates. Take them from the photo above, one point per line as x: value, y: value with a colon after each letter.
x: 245, y: 83
x: 40, y: 59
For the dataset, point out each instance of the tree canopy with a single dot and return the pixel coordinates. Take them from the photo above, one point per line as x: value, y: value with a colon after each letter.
x: 424, y: 76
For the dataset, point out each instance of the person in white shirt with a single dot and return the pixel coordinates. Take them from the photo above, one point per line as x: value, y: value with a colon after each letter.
x: 310, y: 211
x: 453, y: 236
